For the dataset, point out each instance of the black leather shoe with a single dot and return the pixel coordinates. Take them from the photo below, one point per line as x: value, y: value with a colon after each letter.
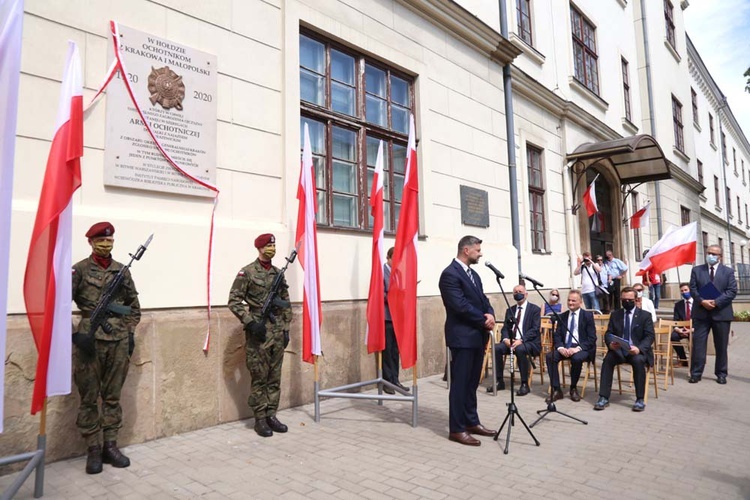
x: 721, y: 379
x: 402, y: 387
x: 112, y: 455
x: 574, y: 396
x: 275, y: 425
x: 639, y: 405
x: 602, y: 403
x: 94, y: 460
x: 523, y: 390
x: 694, y: 379
x: 500, y: 386
x: 262, y: 429
x: 556, y: 394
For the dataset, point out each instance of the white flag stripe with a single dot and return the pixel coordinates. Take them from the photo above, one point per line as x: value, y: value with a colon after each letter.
x: 675, y: 236
x: 311, y: 269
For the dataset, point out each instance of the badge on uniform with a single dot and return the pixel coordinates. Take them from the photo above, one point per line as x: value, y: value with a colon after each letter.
x: 241, y: 273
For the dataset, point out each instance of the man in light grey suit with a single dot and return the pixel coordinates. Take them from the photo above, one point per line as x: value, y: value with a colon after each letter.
x: 714, y: 314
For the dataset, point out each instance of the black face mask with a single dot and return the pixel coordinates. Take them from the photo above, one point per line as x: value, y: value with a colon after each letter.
x: 518, y: 297
x: 628, y: 304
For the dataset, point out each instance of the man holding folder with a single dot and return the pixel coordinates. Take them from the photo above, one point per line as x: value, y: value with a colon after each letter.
x: 713, y: 288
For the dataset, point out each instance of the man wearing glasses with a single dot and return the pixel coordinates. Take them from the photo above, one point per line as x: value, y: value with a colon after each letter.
x: 616, y: 269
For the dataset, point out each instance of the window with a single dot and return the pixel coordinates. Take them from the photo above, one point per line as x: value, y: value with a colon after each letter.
x: 684, y: 215
x: 523, y: 9
x: 724, y: 148
x: 711, y: 127
x: 536, y: 199
x: 717, y: 192
x: 731, y: 251
x: 584, y: 51
x: 679, y: 142
x: 700, y: 172
x: 626, y: 88
x: 743, y: 171
x: 747, y: 219
x: 734, y: 159
x: 350, y: 104
x: 739, y: 211
x: 721, y: 244
x: 694, y: 100
x: 729, y: 202
x: 705, y: 242
x: 636, y: 232
x: 669, y: 21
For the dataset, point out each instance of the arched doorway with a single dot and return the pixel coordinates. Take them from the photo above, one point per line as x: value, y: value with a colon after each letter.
x: 601, y: 227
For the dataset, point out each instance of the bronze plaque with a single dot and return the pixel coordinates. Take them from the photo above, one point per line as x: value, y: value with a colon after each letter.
x: 475, y: 207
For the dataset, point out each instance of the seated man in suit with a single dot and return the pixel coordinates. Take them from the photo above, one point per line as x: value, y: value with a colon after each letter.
x: 637, y: 328
x: 683, y: 310
x: 574, y: 339
x: 522, y: 338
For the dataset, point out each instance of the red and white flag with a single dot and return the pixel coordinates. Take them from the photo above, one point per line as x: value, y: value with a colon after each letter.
x: 641, y: 217
x: 675, y: 248
x: 11, y: 23
x: 307, y: 242
x: 375, y: 333
x: 589, y: 198
x: 47, y: 282
x: 402, y: 295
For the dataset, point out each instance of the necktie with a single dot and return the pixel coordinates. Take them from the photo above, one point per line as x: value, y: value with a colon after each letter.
x: 572, y: 327
x: 711, y: 274
x: 471, y: 277
x: 627, y: 326
x: 687, y: 310
x: 518, y: 324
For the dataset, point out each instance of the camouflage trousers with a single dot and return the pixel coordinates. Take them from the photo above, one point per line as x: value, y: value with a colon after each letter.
x: 102, y: 376
x: 263, y: 360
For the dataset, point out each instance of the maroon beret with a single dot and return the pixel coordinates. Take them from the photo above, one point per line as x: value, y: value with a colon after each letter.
x: 264, y: 239
x: 100, y: 229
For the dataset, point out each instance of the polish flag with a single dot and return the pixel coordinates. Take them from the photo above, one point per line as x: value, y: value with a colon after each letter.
x: 375, y: 333
x: 307, y: 242
x: 11, y: 23
x: 641, y: 217
x: 589, y: 198
x: 402, y: 294
x: 675, y: 248
x: 47, y: 282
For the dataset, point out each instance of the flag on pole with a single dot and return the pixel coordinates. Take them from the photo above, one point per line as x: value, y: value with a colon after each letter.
x: 589, y: 198
x: 675, y: 248
x: 47, y: 282
x: 402, y: 295
x: 307, y: 242
x: 11, y: 23
x: 375, y: 333
x: 641, y: 217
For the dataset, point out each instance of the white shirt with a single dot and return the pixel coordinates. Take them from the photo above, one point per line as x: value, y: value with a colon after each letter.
x: 588, y: 275
x: 516, y: 335
x: 648, y: 306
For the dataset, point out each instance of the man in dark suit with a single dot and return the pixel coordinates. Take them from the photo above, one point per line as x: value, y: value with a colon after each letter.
x: 574, y: 339
x: 469, y: 319
x: 683, y: 311
x: 390, y: 354
x: 715, y: 314
x: 524, y: 340
x: 636, y: 327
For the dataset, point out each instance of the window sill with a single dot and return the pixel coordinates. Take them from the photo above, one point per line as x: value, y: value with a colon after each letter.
x: 736, y: 174
x: 535, y: 56
x: 541, y: 252
x: 714, y: 146
x: 697, y: 126
x: 702, y: 197
x: 717, y: 208
x: 588, y: 94
x: 680, y: 154
x: 623, y: 3
x: 629, y: 126
x: 672, y: 50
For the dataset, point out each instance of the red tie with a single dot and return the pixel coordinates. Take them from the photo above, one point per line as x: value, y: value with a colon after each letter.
x: 687, y: 310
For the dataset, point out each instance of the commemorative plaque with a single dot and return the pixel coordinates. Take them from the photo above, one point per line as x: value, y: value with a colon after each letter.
x: 475, y: 208
x: 175, y: 87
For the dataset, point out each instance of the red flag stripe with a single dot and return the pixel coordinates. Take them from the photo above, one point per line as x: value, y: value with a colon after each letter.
x: 375, y: 336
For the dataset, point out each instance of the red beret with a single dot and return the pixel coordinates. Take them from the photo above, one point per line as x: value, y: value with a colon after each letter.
x: 264, y: 239
x: 100, y: 229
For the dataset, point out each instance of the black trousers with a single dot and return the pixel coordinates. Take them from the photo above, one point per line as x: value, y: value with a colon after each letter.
x: 614, y: 293
x: 466, y: 367
x: 720, y: 330
x: 678, y: 348
x: 617, y: 357
x: 576, y: 364
x: 522, y: 353
x: 390, y: 354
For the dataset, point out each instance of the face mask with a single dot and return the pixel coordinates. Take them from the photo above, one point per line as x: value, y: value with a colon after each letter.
x: 686, y: 295
x: 712, y: 260
x: 628, y: 304
x: 553, y: 298
x: 518, y: 297
x: 639, y: 294
x: 102, y: 248
x: 269, y: 252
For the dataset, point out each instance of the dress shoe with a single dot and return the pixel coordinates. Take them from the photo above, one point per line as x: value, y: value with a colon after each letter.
x: 401, y: 386
x: 481, y: 430
x: 112, y: 455
x: 500, y: 386
x: 523, y: 390
x: 464, y: 438
x: 694, y: 379
x: 721, y: 379
x: 275, y: 425
x: 556, y: 394
x: 94, y: 460
x: 574, y: 396
x: 602, y: 403
x: 388, y: 390
x: 262, y: 429
x: 639, y: 405
x: 684, y: 362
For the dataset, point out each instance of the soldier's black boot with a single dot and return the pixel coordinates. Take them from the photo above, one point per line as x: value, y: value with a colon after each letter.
x: 112, y: 455
x: 275, y: 425
x: 262, y: 429
x: 94, y: 460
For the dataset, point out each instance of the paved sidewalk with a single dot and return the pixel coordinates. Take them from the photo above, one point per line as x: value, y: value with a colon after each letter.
x: 689, y: 443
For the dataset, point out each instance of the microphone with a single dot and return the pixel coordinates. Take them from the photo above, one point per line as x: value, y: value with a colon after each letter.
x: 533, y: 281
x: 494, y: 269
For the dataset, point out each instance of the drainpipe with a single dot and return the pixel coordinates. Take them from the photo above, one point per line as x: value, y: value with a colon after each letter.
x: 511, y: 133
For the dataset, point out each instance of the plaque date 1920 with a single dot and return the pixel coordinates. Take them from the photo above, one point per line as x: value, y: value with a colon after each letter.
x: 202, y: 96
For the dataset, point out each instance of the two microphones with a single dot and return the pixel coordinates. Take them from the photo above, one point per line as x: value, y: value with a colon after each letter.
x: 523, y: 276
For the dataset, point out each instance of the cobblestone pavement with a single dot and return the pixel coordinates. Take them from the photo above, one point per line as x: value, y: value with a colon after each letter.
x: 689, y: 443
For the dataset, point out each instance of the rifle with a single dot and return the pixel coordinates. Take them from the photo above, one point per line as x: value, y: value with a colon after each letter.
x: 273, y: 299
x: 105, y: 307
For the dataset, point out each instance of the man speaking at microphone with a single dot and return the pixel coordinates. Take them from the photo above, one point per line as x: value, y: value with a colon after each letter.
x: 469, y: 318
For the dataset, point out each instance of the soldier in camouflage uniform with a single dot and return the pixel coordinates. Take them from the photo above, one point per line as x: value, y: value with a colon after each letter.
x: 100, y: 364
x: 264, y: 341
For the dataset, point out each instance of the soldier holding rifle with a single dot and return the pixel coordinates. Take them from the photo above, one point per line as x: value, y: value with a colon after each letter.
x: 260, y: 299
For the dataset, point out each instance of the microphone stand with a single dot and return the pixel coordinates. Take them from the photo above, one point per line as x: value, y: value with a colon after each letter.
x: 551, y: 408
x: 512, y: 408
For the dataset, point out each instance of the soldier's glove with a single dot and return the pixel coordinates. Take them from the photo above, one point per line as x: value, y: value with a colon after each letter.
x: 286, y: 338
x: 257, y: 330
x: 131, y: 343
x: 85, y: 344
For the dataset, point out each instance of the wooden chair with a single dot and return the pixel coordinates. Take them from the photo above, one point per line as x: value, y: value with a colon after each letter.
x: 687, y: 343
x: 663, y: 364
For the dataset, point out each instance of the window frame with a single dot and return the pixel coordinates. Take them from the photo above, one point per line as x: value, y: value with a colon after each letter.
x: 704, y: 239
x: 520, y: 15
x: 679, y: 135
x: 711, y: 129
x: 538, y: 192
x: 700, y: 171
x: 669, y: 24
x: 684, y: 215
x: 626, y: 88
x: 694, y: 103
x: 587, y: 53
x: 717, y: 191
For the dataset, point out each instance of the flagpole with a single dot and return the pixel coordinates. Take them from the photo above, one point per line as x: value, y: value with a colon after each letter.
x: 317, y: 389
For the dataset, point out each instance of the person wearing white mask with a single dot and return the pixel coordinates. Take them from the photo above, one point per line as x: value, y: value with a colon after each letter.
x: 643, y: 302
